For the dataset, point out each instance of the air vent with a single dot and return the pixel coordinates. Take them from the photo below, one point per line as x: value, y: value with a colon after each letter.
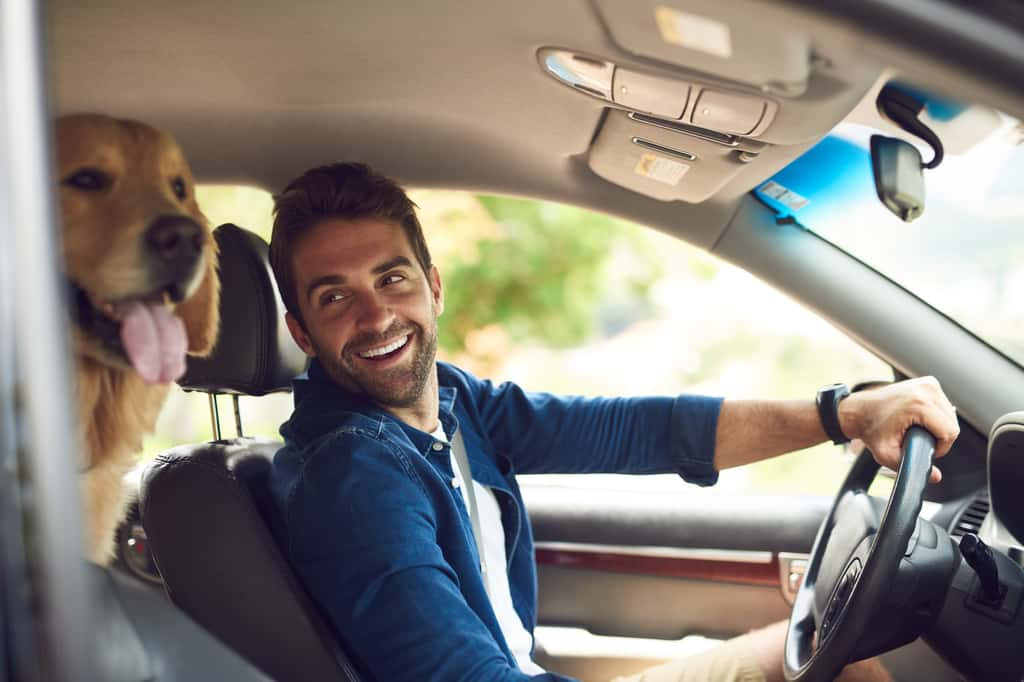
x: 972, y: 516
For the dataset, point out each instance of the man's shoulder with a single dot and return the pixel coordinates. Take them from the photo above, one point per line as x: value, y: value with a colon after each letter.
x: 349, y: 456
x: 320, y: 414
x: 345, y: 436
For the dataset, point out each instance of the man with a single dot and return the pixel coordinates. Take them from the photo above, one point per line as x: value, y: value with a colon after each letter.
x: 425, y: 569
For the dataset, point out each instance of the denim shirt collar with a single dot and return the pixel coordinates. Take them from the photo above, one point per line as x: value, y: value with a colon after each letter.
x: 329, y: 399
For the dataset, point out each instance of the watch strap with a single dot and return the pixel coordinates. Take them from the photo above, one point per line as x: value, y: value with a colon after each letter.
x: 828, y: 411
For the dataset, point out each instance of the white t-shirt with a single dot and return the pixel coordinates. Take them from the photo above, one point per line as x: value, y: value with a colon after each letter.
x: 496, y: 576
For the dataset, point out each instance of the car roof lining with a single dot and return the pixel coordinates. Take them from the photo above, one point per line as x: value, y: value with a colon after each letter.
x: 463, y: 105
x: 457, y: 104
x: 436, y: 107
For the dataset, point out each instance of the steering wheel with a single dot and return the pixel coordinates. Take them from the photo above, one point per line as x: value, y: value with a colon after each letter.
x: 854, y: 562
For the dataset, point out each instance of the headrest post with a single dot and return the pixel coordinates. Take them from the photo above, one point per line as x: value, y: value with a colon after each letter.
x: 214, y: 416
x: 238, y: 415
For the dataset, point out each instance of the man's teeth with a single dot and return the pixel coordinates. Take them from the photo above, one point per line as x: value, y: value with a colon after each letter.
x: 384, y: 350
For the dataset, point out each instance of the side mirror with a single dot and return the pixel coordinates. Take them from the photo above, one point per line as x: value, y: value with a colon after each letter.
x: 899, y: 176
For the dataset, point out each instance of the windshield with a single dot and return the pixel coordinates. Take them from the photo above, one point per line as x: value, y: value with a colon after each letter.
x: 964, y: 255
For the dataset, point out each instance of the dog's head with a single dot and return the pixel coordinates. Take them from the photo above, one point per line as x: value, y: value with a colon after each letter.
x: 139, y: 256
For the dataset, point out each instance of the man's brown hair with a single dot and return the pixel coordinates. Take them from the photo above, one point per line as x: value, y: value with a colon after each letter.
x: 350, y: 191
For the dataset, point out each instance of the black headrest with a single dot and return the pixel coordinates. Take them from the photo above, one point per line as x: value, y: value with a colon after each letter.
x: 255, y: 354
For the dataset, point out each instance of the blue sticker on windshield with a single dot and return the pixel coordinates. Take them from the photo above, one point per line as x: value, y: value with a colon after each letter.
x: 830, y: 174
x: 783, y: 195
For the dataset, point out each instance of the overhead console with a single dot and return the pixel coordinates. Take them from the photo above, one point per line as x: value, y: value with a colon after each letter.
x: 663, y: 128
x: 660, y: 96
x: 697, y: 92
x: 666, y: 161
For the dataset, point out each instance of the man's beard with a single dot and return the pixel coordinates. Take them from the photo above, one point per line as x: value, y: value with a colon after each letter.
x: 394, y: 387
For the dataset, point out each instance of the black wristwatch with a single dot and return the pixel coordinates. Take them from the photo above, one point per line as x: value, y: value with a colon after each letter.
x: 828, y: 411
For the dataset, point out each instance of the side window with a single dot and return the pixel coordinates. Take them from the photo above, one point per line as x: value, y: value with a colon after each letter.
x: 562, y: 300
x: 558, y: 299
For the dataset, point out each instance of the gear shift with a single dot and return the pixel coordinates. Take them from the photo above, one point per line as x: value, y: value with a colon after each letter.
x: 980, y: 558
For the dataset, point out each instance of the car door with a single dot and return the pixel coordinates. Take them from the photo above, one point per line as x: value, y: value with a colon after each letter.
x: 630, y: 578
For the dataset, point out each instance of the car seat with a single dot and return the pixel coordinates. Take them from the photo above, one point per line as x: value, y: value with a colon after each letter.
x: 206, y: 508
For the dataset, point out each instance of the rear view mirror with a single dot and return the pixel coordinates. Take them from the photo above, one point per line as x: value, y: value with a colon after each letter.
x: 899, y: 176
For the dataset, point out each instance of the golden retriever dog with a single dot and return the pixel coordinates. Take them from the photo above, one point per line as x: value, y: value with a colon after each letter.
x: 140, y: 262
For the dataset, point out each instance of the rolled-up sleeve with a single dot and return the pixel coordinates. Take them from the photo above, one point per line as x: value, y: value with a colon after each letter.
x: 694, y: 425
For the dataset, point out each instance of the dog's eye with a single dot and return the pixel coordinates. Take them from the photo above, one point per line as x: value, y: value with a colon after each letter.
x: 88, y: 180
x: 178, y: 185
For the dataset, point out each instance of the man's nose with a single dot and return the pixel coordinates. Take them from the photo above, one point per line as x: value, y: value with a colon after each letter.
x: 375, y: 314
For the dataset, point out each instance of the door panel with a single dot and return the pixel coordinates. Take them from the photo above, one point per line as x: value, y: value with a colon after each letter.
x: 651, y: 606
x: 670, y: 567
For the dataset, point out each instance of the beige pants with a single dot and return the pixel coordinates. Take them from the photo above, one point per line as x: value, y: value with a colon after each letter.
x: 732, y: 661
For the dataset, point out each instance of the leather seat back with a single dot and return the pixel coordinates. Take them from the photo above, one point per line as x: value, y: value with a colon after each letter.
x: 207, y: 510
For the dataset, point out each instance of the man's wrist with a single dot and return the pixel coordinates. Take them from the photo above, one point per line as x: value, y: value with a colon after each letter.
x: 828, y: 401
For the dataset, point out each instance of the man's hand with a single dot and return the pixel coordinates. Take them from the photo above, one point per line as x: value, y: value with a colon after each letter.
x: 880, y: 417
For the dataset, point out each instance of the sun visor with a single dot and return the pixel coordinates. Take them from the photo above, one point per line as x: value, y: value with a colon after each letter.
x: 715, y: 38
x: 666, y: 160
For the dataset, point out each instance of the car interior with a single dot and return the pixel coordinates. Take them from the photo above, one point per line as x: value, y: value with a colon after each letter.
x: 669, y: 113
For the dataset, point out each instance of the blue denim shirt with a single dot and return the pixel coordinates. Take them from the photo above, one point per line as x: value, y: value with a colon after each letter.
x: 383, y: 542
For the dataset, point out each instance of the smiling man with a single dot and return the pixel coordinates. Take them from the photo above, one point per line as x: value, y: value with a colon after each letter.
x: 396, y: 486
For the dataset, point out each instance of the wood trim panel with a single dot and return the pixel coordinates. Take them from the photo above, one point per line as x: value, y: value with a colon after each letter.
x: 741, y: 572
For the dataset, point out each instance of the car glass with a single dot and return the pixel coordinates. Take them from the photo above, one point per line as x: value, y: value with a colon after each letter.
x: 963, y: 256
x: 659, y: 317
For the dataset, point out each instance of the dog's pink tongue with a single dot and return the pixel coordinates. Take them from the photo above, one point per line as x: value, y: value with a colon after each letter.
x: 155, y: 341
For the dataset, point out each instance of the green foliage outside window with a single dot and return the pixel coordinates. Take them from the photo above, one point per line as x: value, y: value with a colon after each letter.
x: 547, y: 274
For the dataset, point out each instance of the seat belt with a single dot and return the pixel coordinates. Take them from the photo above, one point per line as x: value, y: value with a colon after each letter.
x: 462, y: 461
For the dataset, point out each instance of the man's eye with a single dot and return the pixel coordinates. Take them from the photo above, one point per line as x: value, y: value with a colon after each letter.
x: 332, y: 297
x: 392, y: 279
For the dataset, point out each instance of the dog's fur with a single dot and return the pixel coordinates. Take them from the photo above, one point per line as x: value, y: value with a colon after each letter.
x: 141, y: 173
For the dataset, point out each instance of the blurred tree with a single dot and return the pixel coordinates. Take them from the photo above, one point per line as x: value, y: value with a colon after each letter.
x: 539, y: 272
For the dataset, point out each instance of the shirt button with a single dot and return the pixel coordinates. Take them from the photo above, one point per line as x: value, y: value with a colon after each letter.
x: 438, y: 446
x: 455, y: 482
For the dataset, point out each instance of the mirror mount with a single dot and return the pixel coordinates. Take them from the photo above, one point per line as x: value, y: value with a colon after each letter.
x: 896, y: 164
x: 904, y: 110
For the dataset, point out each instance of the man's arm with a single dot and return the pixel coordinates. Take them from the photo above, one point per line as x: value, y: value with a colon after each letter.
x: 752, y: 430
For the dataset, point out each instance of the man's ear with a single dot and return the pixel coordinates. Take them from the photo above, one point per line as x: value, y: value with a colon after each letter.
x: 299, y: 335
x: 436, y: 290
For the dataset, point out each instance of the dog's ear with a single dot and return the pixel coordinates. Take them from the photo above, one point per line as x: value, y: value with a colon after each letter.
x: 201, y: 312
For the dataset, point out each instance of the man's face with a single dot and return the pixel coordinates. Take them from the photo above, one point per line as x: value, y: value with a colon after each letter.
x: 370, y: 311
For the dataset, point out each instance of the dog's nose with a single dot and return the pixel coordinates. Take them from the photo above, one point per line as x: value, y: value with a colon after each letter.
x: 175, y: 240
